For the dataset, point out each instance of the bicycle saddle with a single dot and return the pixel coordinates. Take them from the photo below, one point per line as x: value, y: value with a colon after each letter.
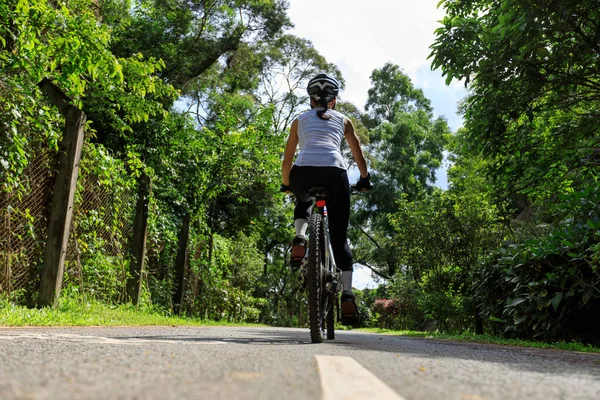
x: 318, y: 192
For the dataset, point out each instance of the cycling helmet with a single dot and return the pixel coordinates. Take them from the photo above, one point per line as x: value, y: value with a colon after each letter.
x: 323, y: 88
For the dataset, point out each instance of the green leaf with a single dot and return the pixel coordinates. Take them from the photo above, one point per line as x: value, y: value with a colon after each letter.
x: 556, y: 300
x: 516, y: 301
x: 520, y: 319
x: 23, y: 6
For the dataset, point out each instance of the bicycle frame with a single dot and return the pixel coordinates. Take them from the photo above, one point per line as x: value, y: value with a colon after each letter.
x: 319, y: 273
x: 321, y: 207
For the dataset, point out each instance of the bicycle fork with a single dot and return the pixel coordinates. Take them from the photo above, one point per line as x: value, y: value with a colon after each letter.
x: 333, y: 281
x: 331, y: 278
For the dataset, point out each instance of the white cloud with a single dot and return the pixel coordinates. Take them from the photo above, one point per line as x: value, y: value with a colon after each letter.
x: 362, y: 279
x: 360, y: 36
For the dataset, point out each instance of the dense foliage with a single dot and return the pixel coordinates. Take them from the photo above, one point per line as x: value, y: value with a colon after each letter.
x: 532, y: 120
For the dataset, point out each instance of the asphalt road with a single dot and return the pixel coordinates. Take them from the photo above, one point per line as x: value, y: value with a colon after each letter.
x: 282, y: 364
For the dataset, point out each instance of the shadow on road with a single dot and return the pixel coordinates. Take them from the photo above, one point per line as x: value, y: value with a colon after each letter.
x: 349, y: 343
x: 527, y: 359
x: 242, y: 336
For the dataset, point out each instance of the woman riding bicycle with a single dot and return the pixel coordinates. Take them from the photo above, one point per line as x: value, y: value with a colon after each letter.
x: 319, y: 132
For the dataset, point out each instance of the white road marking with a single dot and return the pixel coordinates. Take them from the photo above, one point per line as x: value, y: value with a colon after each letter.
x: 98, y: 339
x: 344, y: 378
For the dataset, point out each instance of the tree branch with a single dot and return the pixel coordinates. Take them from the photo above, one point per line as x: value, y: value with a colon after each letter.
x: 362, y: 262
x: 370, y: 237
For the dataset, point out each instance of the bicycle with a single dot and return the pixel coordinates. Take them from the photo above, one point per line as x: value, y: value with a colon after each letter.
x: 318, y: 270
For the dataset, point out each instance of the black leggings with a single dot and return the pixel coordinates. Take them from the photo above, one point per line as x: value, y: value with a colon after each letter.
x: 338, y: 205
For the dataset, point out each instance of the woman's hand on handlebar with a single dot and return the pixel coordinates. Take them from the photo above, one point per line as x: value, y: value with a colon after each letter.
x: 364, y: 184
x: 285, y: 188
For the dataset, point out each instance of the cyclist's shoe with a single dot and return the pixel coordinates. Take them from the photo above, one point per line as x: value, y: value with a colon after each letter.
x: 349, y: 309
x: 298, y: 251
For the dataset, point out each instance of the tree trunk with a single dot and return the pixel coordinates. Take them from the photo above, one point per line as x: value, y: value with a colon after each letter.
x: 138, y: 242
x: 181, y: 264
x: 210, y: 247
x: 478, y: 322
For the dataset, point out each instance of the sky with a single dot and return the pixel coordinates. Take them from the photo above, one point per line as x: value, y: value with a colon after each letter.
x: 360, y: 36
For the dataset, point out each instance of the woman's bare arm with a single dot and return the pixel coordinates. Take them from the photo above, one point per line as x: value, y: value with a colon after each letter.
x: 290, y: 151
x: 354, y: 144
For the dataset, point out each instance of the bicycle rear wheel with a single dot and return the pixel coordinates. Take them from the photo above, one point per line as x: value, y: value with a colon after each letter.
x: 314, y: 278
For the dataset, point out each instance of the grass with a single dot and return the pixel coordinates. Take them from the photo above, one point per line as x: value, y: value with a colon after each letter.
x: 81, y: 312
x: 469, y: 337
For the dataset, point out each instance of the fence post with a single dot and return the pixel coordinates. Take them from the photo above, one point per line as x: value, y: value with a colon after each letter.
x: 61, y: 210
x: 138, y: 246
x: 7, y: 251
x: 180, y: 264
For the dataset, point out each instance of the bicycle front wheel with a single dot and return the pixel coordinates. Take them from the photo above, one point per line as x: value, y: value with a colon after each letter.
x: 331, y: 314
x: 314, y: 278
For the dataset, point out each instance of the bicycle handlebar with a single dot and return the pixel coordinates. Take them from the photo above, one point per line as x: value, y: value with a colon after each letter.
x: 353, y: 190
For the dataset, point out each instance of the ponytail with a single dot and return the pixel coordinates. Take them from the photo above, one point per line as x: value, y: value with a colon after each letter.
x: 322, y: 113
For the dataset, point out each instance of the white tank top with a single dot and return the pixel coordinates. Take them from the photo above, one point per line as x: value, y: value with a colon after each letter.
x: 320, y: 140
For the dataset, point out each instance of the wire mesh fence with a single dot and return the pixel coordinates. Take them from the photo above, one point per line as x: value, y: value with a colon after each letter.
x: 99, y: 237
x: 101, y: 226
x: 23, y: 227
x: 97, y: 257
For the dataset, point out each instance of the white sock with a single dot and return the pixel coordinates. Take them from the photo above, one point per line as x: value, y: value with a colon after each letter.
x: 346, y: 280
x: 301, y: 226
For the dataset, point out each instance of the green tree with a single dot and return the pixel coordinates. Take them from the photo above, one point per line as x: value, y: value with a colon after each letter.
x: 193, y: 41
x: 532, y: 122
x: 190, y: 36
x: 534, y: 79
x: 439, y: 240
x: 273, y: 72
x: 290, y: 62
x: 75, y: 55
x: 392, y: 93
x: 405, y: 148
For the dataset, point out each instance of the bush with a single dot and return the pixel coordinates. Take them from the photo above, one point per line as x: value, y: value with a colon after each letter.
x: 443, y: 311
x: 547, y: 288
x: 405, y: 291
x: 386, y: 312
